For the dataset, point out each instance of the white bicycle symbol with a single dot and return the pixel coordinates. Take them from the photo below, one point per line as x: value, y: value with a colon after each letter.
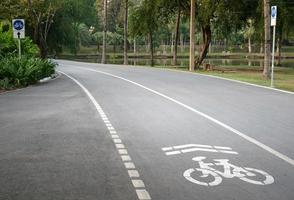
x: 212, y: 177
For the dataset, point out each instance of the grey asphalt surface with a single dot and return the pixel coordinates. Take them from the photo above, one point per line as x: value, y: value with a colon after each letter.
x: 55, y: 146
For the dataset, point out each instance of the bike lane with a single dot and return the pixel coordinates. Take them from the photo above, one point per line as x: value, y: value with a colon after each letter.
x: 152, y: 127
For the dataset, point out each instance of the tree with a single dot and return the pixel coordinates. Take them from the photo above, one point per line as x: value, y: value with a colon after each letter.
x: 192, y: 35
x: 248, y: 33
x: 126, y: 33
x: 103, y: 60
x: 42, y: 14
x: 267, y: 44
x: 144, y: 20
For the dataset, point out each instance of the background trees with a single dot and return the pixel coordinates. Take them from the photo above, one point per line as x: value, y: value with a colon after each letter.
x: 58, y: 26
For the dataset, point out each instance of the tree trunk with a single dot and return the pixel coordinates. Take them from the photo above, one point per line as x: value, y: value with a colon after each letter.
x: 126, y: 34
x: 279, y: 48
x: 267, y: 45
x: 182, y: 42
x: 177, y: 34
x: 249, y: 45
x: 261, y: 47
x: 192, y: 36
x: 206, y: 35
x: 103, y: 60
x: 151, y: 48
x: 172, y: 44
x: 135, y: 48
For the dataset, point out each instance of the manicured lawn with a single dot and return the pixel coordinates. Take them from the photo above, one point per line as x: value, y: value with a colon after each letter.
x: 283, y: 78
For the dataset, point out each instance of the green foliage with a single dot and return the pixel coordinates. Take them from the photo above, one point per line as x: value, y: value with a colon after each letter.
x: 20, y: 72
x: 9, y: 46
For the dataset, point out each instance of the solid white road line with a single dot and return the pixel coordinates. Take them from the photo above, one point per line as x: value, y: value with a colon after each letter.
x: 133, y: 173
x: 250, y: 139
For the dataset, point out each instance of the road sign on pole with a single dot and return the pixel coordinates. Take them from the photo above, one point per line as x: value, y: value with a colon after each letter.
x: 274, y: 12
x: 18, y: 26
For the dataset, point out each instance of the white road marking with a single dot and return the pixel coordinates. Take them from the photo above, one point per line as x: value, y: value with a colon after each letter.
x: 172, y: 153
x: 122, y: 151
x: 229, y: 152
x: 133, y: 173
x: 137, y: 183
x: 108, y: 125
x: 117, y: 141
x: 167, y: 148
x: 126, y: 158
x: 112, y: 132
x: 191, y: 145
x: 225, y: 148
x: 196, y: 147
x: 248, y: 138
x: 129, y: 165
x: 143, y: 194
x: 120, y: 146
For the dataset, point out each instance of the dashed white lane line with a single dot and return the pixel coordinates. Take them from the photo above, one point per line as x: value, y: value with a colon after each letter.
x: 231, y: 129
x: 133, y: 173
x: 138, y: 183
x: 114, y: 136
x: 142, y: 193
x: 117, y: 141
x: 129, y: 165
x: 122, y: 151
x: 126, y: 158
x: 120, y: 146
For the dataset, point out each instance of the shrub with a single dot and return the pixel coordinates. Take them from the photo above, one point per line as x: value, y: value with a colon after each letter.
x: 20, y: 72
x: 9, y: 46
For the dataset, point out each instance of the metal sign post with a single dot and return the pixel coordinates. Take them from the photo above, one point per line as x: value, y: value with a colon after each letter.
x: 274, y: 12
x: 18, y: 32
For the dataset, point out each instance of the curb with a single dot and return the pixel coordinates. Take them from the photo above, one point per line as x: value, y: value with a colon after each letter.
x: 54, y: 76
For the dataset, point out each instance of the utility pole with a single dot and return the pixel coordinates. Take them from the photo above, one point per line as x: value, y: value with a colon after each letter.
x: 126, y: 34
x: 267, y: 42
x: 103, y: 60
x: 192, y: 36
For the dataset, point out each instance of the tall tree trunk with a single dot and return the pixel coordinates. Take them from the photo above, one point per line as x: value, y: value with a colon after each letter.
x: 206, y: 36
x: 182, y: 42
x: 135, y: 47
x: 267, y: 45
x: 249, y: 45
x: 151, y: 48
x: 126, y: 34
x: 192, y: 36
x: 172, y: 43
x: 103, y: 60
x: 177, y: 34
x: 279, y: 48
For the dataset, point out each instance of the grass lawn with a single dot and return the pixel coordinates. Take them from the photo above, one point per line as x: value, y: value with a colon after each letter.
x: 283, y: 77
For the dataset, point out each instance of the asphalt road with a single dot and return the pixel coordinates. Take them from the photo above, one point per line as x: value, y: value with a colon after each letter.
x: 116, y: 132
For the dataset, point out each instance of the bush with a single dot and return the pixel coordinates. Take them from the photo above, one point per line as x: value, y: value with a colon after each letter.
x: 9, y: 45
x: 20, y: 72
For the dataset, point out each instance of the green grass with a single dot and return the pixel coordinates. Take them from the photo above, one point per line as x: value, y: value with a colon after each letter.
x: 283, y: 77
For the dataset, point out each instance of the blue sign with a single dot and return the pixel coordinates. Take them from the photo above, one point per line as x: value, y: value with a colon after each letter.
x: 274, y: 11
x: 18, y: 25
